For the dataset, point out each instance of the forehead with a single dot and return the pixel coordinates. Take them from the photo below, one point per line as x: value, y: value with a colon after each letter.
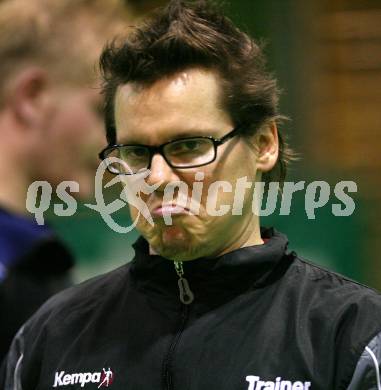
x: 184, y: 103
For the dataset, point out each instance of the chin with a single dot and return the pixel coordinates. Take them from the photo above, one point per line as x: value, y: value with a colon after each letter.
x: 175, y: 254
x: 173, y: 242
x: 186, y: 239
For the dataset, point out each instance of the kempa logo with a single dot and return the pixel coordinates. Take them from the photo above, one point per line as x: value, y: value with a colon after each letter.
x: 255, y: 383
x: 104, y: 378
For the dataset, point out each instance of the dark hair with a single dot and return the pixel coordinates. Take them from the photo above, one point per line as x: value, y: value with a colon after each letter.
x: 189, y: 34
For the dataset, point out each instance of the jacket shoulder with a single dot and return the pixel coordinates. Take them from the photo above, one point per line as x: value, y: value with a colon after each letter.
x: 81, y: 298
x: 348, y: 311
x: 324, y: 279
x: 335, y: 292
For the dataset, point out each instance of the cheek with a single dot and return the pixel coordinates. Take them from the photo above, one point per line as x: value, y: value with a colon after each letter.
x: 142, y: 224
x: 66, y: 133
x: 219, y: 184
x: 77, y: 126
x: 77, y: 136
x: 223, y: 196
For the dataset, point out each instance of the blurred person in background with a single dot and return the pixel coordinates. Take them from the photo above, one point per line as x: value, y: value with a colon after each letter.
x: 143, y: 7
x: 210, y: 301
x: 50, y: 127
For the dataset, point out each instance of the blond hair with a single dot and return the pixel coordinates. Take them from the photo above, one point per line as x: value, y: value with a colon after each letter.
x: 63, y: 36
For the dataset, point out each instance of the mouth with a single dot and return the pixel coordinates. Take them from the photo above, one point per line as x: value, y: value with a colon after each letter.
x: 169, y: 209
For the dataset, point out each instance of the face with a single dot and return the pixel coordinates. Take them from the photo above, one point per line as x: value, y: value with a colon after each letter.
x: 187, y: 104
x: 74, y: 136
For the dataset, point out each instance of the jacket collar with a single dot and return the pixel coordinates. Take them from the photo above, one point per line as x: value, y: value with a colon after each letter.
x: 228, y: 274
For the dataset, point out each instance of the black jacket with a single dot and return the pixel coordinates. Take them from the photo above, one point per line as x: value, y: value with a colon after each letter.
x: 261, y: 319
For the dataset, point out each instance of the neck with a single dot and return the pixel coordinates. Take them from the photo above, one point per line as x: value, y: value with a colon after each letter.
x: 14, y: 183
x: 13, y: 197
x: 250, y: 235
x: 16, y: 162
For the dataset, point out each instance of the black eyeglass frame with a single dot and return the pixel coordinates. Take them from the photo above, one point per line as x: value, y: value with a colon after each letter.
x: 160, y: 149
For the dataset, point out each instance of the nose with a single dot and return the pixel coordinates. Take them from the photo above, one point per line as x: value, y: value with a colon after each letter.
x: 161, y: 172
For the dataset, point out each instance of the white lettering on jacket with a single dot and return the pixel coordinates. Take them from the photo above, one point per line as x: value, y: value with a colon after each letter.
x: 255, y: 383
x: 82, y: 378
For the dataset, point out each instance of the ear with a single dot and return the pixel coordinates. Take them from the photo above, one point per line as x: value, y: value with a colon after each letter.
x: 267, y: 146
x: 26, y: 96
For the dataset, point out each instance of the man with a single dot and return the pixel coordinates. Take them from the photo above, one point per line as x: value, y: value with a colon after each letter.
x: 50, y: 126
x: 210, y: 301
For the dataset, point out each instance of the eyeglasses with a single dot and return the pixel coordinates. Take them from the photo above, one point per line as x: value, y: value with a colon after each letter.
x: 183, y: 153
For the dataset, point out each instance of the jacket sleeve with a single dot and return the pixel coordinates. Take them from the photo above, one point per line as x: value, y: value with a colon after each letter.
x: 367, y: 372
x: 10, y: 375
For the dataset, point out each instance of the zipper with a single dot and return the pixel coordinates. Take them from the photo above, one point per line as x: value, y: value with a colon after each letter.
x: 167, y: 365
x: 186, y: 294
x: 186, y: 297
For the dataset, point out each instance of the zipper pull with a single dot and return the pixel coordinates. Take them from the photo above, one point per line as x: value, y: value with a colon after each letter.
x: 186, y: 294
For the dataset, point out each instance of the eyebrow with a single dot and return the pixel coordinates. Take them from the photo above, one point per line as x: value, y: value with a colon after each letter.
x: 180, y: 135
